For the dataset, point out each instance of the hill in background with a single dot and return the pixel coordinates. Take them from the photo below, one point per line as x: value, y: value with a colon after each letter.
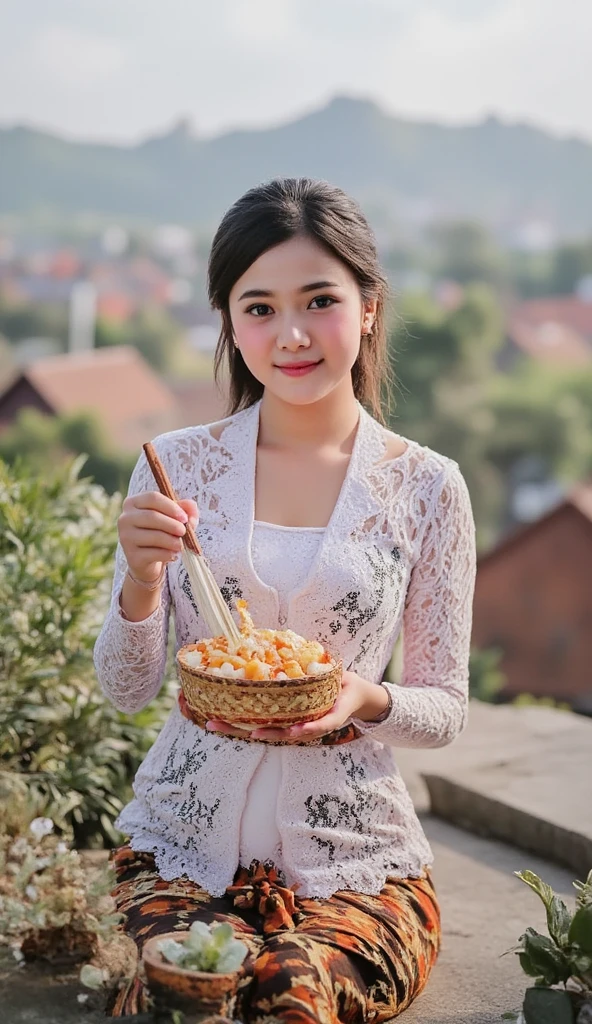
x: 504, y: 175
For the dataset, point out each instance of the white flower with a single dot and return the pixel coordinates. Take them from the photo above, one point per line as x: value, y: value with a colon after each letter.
x: 41, y: 827
x: 19, y: 848
x: 82, y: 997
x: 31, y: 892
x: 17, y: 954
x: 62, y: 848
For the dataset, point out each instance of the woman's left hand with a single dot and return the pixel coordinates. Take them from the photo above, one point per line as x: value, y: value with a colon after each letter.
x: 352, y: 699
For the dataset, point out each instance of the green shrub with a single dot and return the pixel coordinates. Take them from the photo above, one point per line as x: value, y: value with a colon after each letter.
x: 486, y: 679
x: 560, y: 962
x: 76, y: 753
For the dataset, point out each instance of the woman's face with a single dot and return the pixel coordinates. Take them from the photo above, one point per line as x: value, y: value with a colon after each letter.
x: 298, y: 316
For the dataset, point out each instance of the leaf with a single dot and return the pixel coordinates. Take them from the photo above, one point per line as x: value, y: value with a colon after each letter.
x: 172, y: 951
x: 547, y: 1006
x: 541, y: 888
x: 547, y: 959
x: 232, y: 958
x: 222, y: 935
x: 558, y: 920
x: 580, y: 931
x: 91, y: 977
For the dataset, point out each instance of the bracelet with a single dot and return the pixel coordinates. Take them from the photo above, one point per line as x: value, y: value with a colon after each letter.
x: 384, y: 714
x: 153, y: 585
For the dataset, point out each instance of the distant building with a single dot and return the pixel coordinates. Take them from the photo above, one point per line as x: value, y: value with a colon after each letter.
x: 117, y: 384
x: 555, y: 330
x: 533, y: 599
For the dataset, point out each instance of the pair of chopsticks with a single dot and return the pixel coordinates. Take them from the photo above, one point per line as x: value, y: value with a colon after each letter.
x: 204, y: 588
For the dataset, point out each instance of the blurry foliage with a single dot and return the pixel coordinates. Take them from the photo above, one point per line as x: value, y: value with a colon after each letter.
x: 74, y: 751
x: 19, y: 320
x: 47, y: 440
x: 452, y: 397
x: 486, y: 679
x: 527, y: 700
x: 465, y: 251
x: 152, y: 331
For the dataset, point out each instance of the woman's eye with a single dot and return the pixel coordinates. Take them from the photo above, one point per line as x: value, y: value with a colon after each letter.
x: 261, y: 309
x: 325, y: 301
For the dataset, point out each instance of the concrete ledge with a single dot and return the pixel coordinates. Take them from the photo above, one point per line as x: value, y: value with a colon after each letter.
x: 476, y: 812
x: 522, y: 775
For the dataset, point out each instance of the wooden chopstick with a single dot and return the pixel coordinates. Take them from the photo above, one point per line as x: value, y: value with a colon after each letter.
x: 206, y: 591
x: 165, y: 487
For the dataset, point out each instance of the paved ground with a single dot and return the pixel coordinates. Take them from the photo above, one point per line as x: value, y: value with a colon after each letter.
x: 484, y: 911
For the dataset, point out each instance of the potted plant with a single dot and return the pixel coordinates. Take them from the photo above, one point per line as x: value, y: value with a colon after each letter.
x: 196, y: 969
x: 561, y: 962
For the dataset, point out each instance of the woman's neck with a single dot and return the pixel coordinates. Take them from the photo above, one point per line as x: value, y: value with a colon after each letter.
x: 329, y: 423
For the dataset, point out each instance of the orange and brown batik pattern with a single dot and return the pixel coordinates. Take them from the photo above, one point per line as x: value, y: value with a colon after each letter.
x: 350, y: 959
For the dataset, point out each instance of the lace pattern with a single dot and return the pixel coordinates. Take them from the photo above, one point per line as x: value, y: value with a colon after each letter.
x: 398, y: 554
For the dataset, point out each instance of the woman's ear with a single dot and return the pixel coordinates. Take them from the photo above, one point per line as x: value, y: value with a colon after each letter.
x: 369, y: 316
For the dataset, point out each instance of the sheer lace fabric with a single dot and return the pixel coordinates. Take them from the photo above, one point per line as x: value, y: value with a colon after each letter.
x: 398, y: 554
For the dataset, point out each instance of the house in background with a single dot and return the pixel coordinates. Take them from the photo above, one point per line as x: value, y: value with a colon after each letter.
x: 116, y: 384
x: 533, y: 599
x: 556, y: 330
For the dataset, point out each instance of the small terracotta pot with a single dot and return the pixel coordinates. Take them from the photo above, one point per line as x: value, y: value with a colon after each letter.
x: 176, y: 988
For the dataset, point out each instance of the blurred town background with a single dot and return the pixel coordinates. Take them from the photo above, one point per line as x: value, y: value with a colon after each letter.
x: 464, y: 129
x: 106, y: 338
x: 483, y: 216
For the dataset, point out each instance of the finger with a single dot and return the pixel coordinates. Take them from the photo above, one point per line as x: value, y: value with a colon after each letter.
x: 158, y: 502
x: 157, y: 539
x: 190, y: 507
x: 227, y: 729
x: 148, y: 519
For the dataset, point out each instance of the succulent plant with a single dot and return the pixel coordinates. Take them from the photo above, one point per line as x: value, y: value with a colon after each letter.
x: 212, y: 948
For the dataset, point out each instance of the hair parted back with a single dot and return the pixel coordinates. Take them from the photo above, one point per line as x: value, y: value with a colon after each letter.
x: 275, y: 212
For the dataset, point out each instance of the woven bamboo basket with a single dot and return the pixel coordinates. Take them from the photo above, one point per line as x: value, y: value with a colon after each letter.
x: 249, y: 704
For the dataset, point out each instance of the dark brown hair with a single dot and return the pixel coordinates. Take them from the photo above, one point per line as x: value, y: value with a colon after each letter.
x: 270, y: 214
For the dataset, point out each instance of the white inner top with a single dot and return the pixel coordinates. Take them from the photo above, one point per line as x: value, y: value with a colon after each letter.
x: 282, y: 558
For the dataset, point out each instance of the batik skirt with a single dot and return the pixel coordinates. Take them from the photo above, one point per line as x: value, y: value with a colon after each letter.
x: 351, y: 958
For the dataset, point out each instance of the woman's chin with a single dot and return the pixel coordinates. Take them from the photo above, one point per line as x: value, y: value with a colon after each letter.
x: 302, y: 394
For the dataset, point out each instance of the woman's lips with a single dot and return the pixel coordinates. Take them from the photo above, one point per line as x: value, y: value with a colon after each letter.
x: 297, y: 369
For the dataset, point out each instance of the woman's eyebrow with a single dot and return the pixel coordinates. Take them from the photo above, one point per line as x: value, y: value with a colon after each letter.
x: 260, y: 293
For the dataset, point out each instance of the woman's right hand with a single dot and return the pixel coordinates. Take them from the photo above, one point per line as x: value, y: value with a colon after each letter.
x: 151, y: 527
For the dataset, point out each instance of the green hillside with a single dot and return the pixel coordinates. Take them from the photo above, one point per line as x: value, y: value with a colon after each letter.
x: 502, y: 174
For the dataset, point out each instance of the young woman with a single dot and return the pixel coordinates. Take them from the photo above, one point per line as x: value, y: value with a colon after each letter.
x: 330, y: 525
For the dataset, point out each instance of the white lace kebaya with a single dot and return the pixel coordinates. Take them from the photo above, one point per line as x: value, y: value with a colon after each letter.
x: 398, y: 553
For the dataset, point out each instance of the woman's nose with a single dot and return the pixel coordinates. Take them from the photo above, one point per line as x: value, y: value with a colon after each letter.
x: 292, y: 337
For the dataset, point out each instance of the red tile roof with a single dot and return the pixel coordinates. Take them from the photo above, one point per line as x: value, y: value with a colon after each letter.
x: 116, y: 383
x: 554, y: 329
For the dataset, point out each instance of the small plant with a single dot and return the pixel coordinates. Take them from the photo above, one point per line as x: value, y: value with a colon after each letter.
x: 561, y: 962
x: 47, y: 909
x: 212, y: 948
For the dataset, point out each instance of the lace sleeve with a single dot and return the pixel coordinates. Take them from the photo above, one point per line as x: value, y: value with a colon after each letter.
x: 130, y: 657
x: 430, y: 706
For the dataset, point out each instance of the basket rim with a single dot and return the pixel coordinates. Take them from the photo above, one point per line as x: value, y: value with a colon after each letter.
x: 253, y: 683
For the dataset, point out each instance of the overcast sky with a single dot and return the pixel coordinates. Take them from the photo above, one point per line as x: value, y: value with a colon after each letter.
x: 122, y: 69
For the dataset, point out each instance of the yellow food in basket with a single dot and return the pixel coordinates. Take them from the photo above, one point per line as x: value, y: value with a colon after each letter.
x: 261, y: 654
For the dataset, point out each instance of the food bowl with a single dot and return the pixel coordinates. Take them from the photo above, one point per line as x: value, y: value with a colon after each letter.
x: 252, y: 704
